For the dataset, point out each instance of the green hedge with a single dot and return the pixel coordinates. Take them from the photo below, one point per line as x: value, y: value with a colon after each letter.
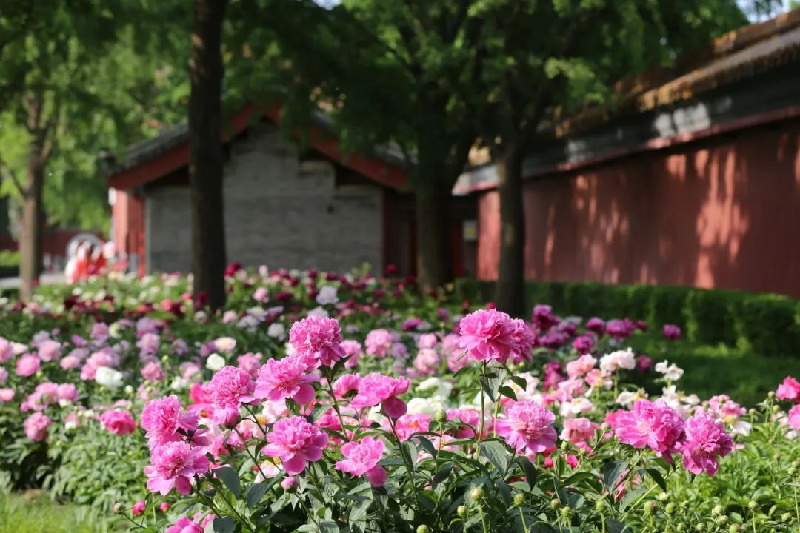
x: 767, y: 324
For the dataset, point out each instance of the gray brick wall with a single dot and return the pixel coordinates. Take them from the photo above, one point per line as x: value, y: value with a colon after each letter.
x: 278, y: 212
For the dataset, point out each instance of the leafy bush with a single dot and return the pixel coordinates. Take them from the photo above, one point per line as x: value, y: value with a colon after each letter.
x: 9, y: 259
x: 767, y: 324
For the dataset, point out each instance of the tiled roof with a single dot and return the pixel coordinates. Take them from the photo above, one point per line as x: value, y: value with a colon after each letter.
x: 737, y: 55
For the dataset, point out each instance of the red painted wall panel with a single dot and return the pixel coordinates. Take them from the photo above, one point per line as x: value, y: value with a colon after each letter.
x: 720, y: 213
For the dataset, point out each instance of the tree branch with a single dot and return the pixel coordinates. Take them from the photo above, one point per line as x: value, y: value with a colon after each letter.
x: 13, y: 175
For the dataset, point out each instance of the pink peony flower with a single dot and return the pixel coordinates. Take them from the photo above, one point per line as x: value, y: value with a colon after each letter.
x: 407, y: 425
x: 578, y: 429
x: 488, y: 335
x: 375, y: 388
x: 49, y: 350
x: 118, y: 422
x: 583, y: 344
x: 596, y: 325
x: 317, y: 340
x: 379, y: 342
x: 285, y: 378
x: 27, y: 365
x: 361, y: 457
x: 6, y: 350
x: 185, y: 525
x: 165, y: 421
x: 527, y: 424
x: 649, y: 424
x: 471, y: 421
x: 67, y: 392
x: 36, y: 427
x: 295, y: 441
x: 6, y: 395
x: 788, y: 390
x: 69, y: 362
x: 583, y: 365
x: 427, y: 340
x: 173, y: 465
x: 228, y: 389
x: 793, y: 418
x: 148, y: 344
x: 524, y: 340
x: 3, y: 375
x: 706, y: 441
x: 250, y: 363
x: 427, y: 361
x: 99, y: 331
x: 346, y: 384
x: 139, y: 507
x: 352, y: 350
x: 153, y: 371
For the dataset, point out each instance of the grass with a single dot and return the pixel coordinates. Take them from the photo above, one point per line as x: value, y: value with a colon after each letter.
x: 33, y: 512
x: 710, y: 370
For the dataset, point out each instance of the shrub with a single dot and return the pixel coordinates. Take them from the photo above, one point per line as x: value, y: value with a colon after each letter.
x: 768, y: 324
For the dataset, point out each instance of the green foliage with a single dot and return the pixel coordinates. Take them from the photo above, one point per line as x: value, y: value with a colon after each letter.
x: 35, y: 513
x: 766, y: 324
x: 8, y: 258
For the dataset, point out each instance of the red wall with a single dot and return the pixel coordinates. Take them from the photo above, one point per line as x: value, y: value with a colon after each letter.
x: 720, y: 213
x: 128, y: 216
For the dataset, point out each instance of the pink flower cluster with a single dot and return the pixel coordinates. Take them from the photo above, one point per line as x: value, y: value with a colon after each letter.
x: 701, y: 440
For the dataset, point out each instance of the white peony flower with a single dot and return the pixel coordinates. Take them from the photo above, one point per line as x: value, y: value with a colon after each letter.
x: 276, y: 330
x: 108, y: 377
x: 327, y: 295
x: 671, y: 372
x: 612, y: 362
x: 215, y: 362
x: 627, y: 398
x: 318, y: 311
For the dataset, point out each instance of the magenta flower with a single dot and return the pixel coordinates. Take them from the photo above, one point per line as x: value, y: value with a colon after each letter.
x: 649, y: 424
x: 361, y: 457
x: 36, y: 427
x: 229, y: 388
x: 317, y: 340
x: 285, y: 378
x: 185, y: 525
x: 788, y: 390
x: 138, y: 507
x: 488, y: 335
x: 379, y: 342
x: 165, y: 421
x: 706, y: 441
x: 118, y: 422
x: 27, y: 365
x: 295, y: 441
x: 6, y: 350
x: 671, y: 332
x: 173, y: 465
x: 527, y: 424
x: 578, y: 429
x: 375, y: 388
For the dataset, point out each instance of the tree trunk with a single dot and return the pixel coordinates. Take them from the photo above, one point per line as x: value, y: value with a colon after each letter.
x: 30, y: 242
x: 510, y: 290
x: 434, y: 253
x: 206, y: 156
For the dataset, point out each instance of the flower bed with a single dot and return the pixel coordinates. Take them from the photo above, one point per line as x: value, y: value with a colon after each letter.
x: 319, y: 402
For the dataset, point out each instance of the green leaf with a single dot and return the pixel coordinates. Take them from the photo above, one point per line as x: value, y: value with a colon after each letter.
x: 496, y: 453
x: 224, y: 525
x: 613, y: 526
x: 531, y: 474
x: 443, y: 473
x: 231, y: 479
x: 256, y: 492
x: 410, y: 450
x: 657, y: 477
x: 491, y: 382
x: 359, y: 510
x: 508, y: 392
x: 519, y: 382
x: 612, y: 470
x: 428, y: 446
x: 328, y: 526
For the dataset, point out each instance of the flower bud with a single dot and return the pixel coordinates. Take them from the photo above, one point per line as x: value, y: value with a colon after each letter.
x: 554, y: 503
x: 785, y: 517
x: 476, y: 493
x: 440, y: 416
x: 600, y: 505
x: 461, y: 511
x: 565, y: 511
x: 423, y: 529
x: 670, y: 508
x: 752, y: 504
x: 735, y: 528
x: 663, y: 497
x: 717, y: 510
x: 519, y: 499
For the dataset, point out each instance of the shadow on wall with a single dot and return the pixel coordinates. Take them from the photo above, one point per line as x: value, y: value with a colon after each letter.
x: 724, y: 213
